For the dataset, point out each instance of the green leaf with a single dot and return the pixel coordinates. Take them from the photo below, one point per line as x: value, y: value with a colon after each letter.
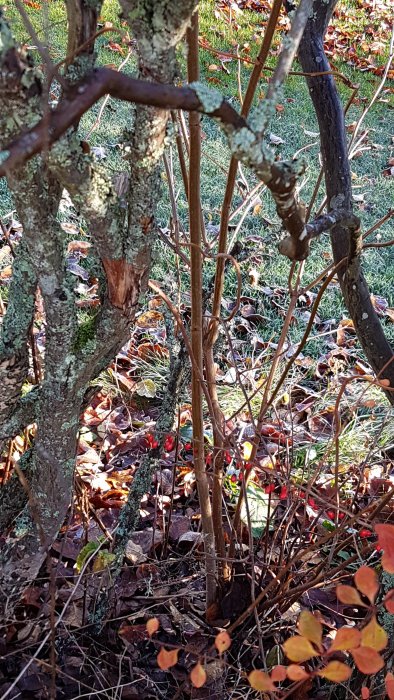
x: 258, y: 509
x: 85, y: 553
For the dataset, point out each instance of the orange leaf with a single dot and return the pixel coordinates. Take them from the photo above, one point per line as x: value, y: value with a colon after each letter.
x: 367, y: 582
x: 278, y: 674
x: 260, y: 681
x: 298, y: 649
x: 149, y: 319
x: 346, y: 638
x: 365, y: 694
x: 297, y: 673
x: 336, y: 671
x: 222, y: 642
x: 389, y: 602
x: 374, y: 636
x: 385, y: 535
x: 310, y: 628
x: 367, y: 660
x: 349, y: 596
x: 152, y: 625
x: 198, y: 676
x: 166, y: 659
x: 113, y: 46
x: 390, y: 685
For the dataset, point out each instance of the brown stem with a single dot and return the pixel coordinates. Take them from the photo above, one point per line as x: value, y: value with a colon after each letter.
x: 196, y: 323
x: 232, y: 173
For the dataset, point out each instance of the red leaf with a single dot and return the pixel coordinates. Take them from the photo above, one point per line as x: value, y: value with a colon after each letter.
x: 296, y: 673
x: 390, y: 685
x: 389, y: 602
x: 346, y: 638
x: 198, y: 676
x: 367, y: 660
x: 365, y: 694
x: 222, y: 642
x: 367, y: 582
x: 278, y: 674
x: 385, y: 535
x: 349, y: 596
x: 167, y: 658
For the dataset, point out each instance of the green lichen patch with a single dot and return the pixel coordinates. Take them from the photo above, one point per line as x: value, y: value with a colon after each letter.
x: 210, y: 99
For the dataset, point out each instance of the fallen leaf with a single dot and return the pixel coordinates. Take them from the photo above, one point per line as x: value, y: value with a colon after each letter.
x: 167, y: 658
x: 152, y: 626
x: 198, y: 676
x: 222, y: 642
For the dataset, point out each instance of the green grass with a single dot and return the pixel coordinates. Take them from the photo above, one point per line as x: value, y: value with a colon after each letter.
x: 292, y: 124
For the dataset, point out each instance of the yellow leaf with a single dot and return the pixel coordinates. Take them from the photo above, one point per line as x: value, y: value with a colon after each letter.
x: 222, y: 642
x: 103, y: 560
x: 198, y: 676
x: 336, y: 671
x: 149, y: 319
x: 248, y: 447
x: 167, y: 658
x: 310, y: 628
x: 373, y: 635
x: 152, y: 625
x: 298, y: 649
x: 260, y: 681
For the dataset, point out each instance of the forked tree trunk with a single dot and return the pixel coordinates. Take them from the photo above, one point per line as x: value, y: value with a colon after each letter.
x: 120, y: 218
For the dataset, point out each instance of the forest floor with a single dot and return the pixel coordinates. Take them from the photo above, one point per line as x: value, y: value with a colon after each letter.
x: 302, y: 445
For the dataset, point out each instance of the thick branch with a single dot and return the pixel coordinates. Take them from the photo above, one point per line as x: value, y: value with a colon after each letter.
x: 98, y: 83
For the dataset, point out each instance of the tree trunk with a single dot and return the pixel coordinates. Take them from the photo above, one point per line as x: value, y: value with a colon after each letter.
x: 346, y: 240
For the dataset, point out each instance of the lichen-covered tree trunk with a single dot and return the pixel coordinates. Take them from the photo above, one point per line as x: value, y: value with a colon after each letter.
x: 120, y: 217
